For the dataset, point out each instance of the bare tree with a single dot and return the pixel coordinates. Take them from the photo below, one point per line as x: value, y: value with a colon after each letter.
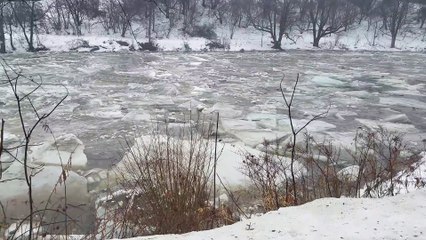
x: 235, y: 14
x: 294, y: 131
x: 81, y: 9
x: 169, y: 9
x: 26, y: 15
x: 1, y: 144
x: 275, y: 17
x: 394, y: 14
x: 328, y: 17
x: 189, y: 10
x: 365, y: 7
x: 422, y: 16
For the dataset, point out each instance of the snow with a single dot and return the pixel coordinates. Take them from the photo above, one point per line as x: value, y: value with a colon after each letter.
x: 397, y: 217
x: 357, y: 38
x: 230, y: 162
x: 409, y: 180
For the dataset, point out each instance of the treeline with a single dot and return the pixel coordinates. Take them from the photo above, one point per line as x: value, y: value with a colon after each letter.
x: 278, y: 18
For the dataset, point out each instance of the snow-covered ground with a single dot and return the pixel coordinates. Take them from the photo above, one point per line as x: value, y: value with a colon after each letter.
x: 399, y: 217
x: 358, y: 37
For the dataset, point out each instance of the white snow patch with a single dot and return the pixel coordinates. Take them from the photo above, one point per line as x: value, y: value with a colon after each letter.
x: 328, y: 219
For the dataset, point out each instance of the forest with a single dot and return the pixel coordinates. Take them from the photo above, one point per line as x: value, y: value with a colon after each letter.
x: 278, y: 19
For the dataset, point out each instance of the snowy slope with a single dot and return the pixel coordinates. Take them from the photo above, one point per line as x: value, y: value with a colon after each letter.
x: 400, y: 217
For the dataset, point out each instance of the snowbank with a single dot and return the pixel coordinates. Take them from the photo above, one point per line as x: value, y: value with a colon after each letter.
x: 400, y: 217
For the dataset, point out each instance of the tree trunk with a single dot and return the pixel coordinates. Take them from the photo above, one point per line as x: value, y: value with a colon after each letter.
x: 123, y: 29
x: 11, y: 37
x: 316, y: 42
x: 393, y: 41
x: 2, y: 38
x: 31, y: 43
x: 277, y: 45
x: 149, y: 26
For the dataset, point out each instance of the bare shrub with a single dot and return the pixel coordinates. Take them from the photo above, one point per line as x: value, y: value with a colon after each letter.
x: 166, y: 185
x: 381, y: 154
x: 271, y: 175
x: 205, y: 31
x: 317, y: 169
x: 375, y: 170
x: 322, y: 177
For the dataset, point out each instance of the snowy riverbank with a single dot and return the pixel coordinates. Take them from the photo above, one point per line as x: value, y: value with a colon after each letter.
x: 357, y: 38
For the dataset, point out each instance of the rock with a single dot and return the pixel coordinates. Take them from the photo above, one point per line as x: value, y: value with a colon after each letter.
x: 94, y: 49
x: 78, y: 43
x: 122, y: 43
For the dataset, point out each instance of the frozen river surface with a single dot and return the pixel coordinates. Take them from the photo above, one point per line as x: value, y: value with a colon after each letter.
x: 114, y: 95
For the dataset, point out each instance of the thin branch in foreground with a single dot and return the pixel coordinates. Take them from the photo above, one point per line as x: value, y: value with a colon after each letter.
x: 1, y: 145
x: 289, y: 105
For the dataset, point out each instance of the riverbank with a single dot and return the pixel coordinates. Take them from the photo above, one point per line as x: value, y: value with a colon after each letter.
x: 357, y: 38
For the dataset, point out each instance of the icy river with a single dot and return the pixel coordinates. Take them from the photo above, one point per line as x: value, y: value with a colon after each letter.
x: 114, y: 95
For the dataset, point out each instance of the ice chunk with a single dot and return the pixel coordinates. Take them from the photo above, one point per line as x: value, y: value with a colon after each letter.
x: 404, y: 102
x: 192, y: 104
x: 254, y: 137
x: 400, y: 127
x: 225, y: 110
x: 136, y: 116
x: 399, y: 118
x: 230, y: 125
x: 314, y: 126
x: 325, y: 81
x: 199, y: 90
x: 14, y: 190
x: 349, y: 173
x: 56, y: 153
x: 265, y: 120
